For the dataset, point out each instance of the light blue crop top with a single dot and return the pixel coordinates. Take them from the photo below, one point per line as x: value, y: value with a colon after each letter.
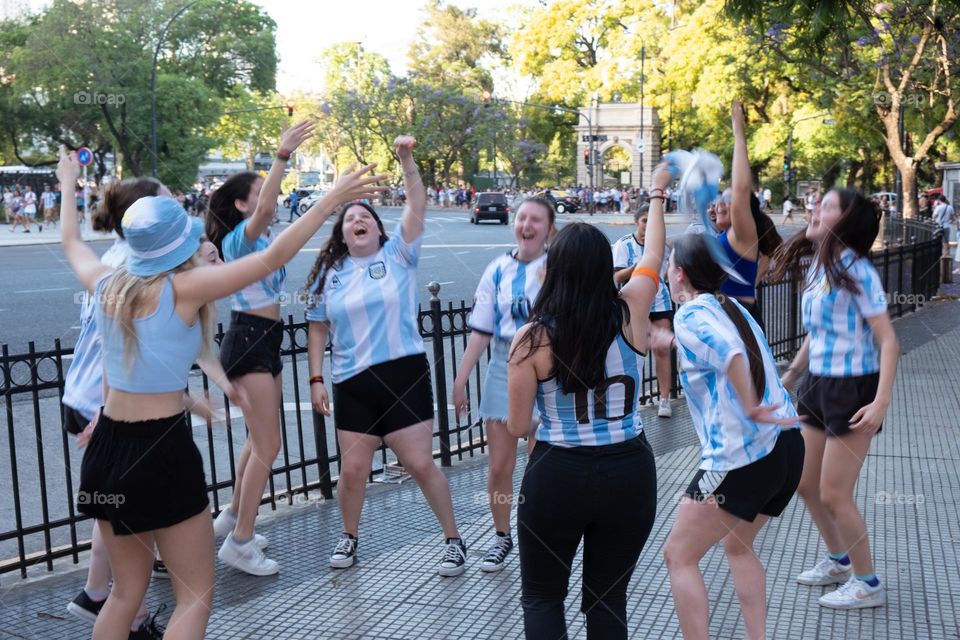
x: 166, y: 346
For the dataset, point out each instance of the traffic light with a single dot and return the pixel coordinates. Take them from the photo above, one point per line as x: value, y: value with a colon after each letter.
x: 586, y: 157
x: 290, y: 105
x: 786, y: 164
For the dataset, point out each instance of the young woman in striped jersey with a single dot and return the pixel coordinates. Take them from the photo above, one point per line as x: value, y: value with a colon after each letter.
x: 238, y: 223
x: 591, y: 476
x: 752, y: 451
x: 507, y: 291
x: 364, y: 298
x: 626, y: 252
x: 142, y: 476
x: 849, y: 363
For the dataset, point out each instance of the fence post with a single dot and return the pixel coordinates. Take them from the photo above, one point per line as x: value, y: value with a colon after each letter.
x: 793, y: 325
x: 439, y: 370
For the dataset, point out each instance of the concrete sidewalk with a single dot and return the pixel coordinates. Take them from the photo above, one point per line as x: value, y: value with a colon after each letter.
x: 908, y: 491
x: 49, y: 235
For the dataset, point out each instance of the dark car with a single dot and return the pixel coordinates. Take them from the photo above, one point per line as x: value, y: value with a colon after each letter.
x: 490, y: 206
x: 564, y: 201
x: 301, y: 193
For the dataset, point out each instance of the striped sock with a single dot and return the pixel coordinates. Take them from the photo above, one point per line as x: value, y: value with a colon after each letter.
x: 840, y: 558
x: 872, y: 580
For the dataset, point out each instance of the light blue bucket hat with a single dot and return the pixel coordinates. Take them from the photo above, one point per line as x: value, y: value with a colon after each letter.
x: 160, y: 234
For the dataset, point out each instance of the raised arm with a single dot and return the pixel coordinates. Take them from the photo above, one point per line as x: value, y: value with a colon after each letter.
x: 267, y: 202
x: 85, y: 263
x: 743, y: 230
x: 196, y: 287
x: 415, y: 210
x: 645, y: 280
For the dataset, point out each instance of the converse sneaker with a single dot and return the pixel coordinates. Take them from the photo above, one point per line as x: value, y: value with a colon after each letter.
x: 497, y: 554
x: 345, y: 553
x: 246, y: 557
x: 226, y: 521
x: 160, y: 570
x: 149, y: 629
x: 855, y: 594
x: 85, y: 607
x: 827, y: 571
x: 664, y: 410
x: 454, y: 561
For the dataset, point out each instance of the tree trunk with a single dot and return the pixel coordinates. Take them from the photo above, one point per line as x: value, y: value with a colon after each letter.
x: 908, y: 181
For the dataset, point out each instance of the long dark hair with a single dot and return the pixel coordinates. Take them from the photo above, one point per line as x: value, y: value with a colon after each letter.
x: 222, y: 213
x: 691, y: 253
x: 335, y: 249
x: 577, y: 308
x: 117, y: 198
x: 768, y: 238
x: 856, y: 228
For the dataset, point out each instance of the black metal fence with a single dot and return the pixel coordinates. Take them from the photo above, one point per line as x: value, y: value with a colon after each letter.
x: 39, y: 520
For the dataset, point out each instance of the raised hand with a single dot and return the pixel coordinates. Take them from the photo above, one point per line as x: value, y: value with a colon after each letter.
x: 68, y: 169
x: 293, y: 137
x: 662, y: 175
x: 736, y: 115
x: 404, y: 145
x: 354, y: 185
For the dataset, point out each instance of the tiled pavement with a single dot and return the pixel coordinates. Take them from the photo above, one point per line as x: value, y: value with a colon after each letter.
x: 909, y: 490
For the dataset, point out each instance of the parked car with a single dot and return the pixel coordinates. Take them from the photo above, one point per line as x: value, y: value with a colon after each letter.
x: 307, y: 202
x: 490, y: 205
x: 301, y: 193
x: 565, y: 201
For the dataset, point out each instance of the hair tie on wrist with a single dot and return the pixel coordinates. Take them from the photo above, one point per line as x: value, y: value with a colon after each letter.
x: 284, y: 154
x: 315, y: 379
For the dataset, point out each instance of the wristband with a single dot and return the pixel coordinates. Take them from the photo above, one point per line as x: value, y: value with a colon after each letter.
x: 656, y: 198
x: 657, y: 189
x: 314, y: 379
x: 284, y: 154
x: 644, y: 271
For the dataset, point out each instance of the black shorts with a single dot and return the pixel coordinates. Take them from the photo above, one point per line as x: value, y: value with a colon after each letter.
x: 385, y: 398
x: 141, y: 476
x: 251, y: 345
x: 74, y: 422
x: 828, y: 403
x: 764, y: 486
x: 662, y: 315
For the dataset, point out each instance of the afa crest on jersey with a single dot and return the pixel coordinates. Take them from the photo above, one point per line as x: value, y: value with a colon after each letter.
x: 378, y: 270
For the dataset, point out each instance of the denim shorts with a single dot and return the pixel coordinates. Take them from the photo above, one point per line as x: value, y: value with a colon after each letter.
x: 251, y: 345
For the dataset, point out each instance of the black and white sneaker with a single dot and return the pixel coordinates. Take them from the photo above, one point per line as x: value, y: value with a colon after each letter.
x: 85, y: 607
x: 149, y: 629
x: 454, y: 561
x: 345, y: 553
x: 497, y: 554
x: 160, y: 570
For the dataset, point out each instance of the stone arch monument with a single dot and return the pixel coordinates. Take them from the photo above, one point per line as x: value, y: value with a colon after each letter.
x: 618, y: 124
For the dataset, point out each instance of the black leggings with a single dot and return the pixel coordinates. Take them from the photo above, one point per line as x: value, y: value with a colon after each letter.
x: 604, y: 495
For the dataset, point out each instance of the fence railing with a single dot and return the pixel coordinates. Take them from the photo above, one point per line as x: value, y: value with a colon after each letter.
x: 44, y: 465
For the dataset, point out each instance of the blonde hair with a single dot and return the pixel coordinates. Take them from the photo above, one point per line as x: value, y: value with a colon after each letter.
x: 125, y: 295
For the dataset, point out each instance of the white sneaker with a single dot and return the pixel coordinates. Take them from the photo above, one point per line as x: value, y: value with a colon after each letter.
x: 664, y: 410
x: 827, y: 571
x: 855, y: 594
x: 247, y: 558
x: 345, y: 553
x: 226, y: 521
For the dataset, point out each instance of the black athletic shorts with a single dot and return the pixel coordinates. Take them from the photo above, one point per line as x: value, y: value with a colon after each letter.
x: 385, y: 398
x: 141, y: 476
x: 829, y: 403
x: 74, y: 422
x: 762, y: 487
x: 251, y: 345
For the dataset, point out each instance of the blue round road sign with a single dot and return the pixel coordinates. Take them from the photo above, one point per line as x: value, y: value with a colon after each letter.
x: 84, y: 156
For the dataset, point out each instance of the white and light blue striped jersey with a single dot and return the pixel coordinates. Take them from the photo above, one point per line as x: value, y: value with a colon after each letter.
x: 371, y: 305
x: 260, y: 294
x: 626, y: 253
x: 607, y: 414
x: 83, y: 385
x: 841, y: 341
x: 707, y: 341
x: 506, y: 293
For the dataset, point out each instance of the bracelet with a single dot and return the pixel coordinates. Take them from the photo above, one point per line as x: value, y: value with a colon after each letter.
x: 650, y: 273
x: 657, y: 189
x: 284, y: 154
x: 315, y: 379
x: 656, y: 198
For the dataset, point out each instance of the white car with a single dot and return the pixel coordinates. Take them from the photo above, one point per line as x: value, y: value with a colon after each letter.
x: 311, y: 199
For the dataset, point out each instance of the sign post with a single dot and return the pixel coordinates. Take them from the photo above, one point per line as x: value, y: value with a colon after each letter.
x: 85, y: 157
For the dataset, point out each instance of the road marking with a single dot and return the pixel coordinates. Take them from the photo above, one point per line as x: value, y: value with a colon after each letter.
x: 448, y: 282
x: 45, y: 290
x: 460, y: 253
x: 421, y: 257
x: 442, y: 246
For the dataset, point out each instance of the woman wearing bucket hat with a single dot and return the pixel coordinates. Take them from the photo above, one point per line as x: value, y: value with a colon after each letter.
x: 238, y: 223
x: 142, y: 474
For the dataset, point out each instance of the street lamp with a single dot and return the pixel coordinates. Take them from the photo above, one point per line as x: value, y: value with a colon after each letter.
x: 153, y: 87
x: 788, y: 159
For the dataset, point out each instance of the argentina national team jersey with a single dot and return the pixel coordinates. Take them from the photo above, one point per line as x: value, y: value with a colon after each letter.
x: 707, y: 341
x: 262, y: 293
x: 606, y: 414
x: 505, y: 295
x: 626, y: 253
x: 841, y: 340
x: 83, y: 385
x: 371, y: 305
